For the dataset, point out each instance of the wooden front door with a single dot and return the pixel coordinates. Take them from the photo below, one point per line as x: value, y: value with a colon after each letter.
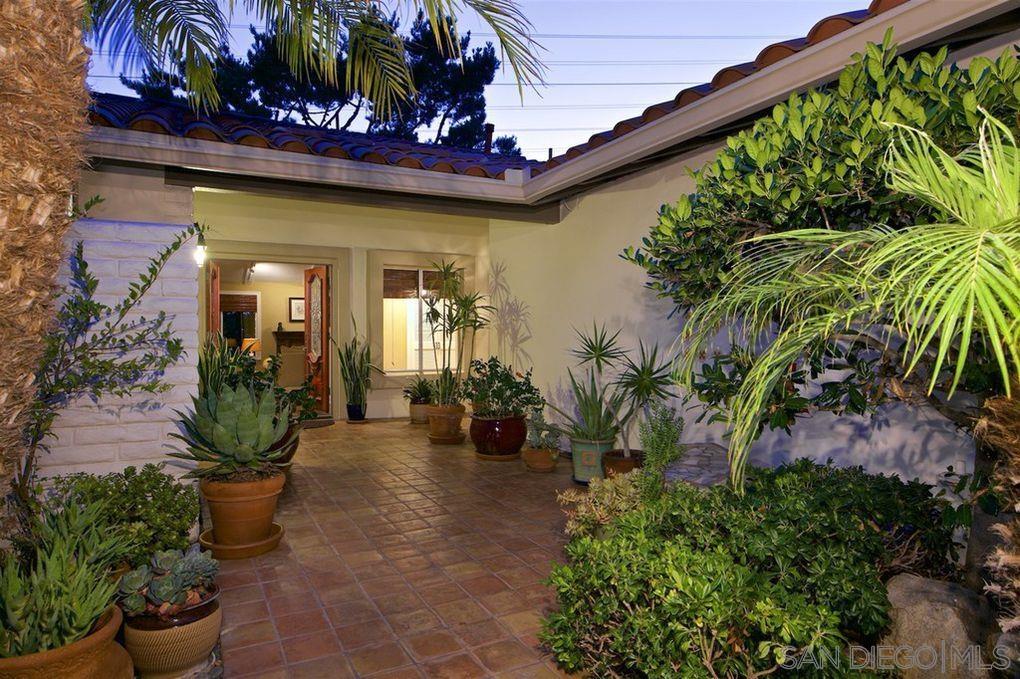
x: 212, y: 306
x: 317, y: 334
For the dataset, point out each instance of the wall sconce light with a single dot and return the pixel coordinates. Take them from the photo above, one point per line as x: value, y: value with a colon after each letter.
x: 200, y: 250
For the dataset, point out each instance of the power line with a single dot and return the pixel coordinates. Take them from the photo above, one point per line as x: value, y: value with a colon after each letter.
x: 557, y: 84
x: 614, y: 36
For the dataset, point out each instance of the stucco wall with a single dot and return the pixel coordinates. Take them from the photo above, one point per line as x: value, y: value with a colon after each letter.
x: 114, y: 433
x: 564, y: 276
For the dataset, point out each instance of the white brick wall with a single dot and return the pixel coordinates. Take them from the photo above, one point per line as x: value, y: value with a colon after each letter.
x: 115, y: 433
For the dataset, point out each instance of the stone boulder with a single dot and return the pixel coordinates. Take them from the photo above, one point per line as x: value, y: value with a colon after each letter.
x: 938, y: 629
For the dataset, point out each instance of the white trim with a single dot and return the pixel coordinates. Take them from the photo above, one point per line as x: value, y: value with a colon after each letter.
x: 915, y: 22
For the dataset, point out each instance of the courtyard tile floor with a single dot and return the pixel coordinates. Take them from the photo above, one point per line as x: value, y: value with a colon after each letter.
x: 401, y: 559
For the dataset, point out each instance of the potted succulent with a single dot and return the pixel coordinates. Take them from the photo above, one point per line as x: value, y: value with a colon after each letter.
x: 172, y: 615
x: 419, y: 396
x: 355, y: 360
x: 57, y: 596
x: 543, y: 449
x: 220, y: 364
x: 454, y: 317
x: 231, y: 434
x: 501, y: 400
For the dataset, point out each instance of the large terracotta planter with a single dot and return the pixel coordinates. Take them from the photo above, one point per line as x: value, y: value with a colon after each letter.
x: 614, y: 462
x: 242, y: 516
x: 444, y: 424
x: 174, y: 647
x: 587, y: 458
x: 498, y: 438
x: 541, y: 460
x: 93, y: 657
x: 419, y: 413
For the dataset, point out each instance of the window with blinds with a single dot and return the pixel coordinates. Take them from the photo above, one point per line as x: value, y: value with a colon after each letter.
x: 408, y: 342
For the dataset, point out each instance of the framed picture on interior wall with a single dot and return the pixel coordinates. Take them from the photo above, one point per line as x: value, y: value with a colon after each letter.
x: 297, y: 309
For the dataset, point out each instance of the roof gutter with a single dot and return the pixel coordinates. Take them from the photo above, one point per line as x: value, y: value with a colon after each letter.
x: 916, y: 22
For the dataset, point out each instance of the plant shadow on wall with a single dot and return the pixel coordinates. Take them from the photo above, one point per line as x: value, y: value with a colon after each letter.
x: 510, y: 318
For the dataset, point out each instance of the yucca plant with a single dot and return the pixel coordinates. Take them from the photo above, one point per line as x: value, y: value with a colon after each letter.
x: 232, y: 431
x: 929, y: 296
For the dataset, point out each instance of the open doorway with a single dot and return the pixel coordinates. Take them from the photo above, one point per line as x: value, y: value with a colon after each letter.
x: 277, y: 309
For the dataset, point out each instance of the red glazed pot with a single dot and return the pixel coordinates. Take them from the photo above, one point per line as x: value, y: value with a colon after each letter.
x: 498, y: 438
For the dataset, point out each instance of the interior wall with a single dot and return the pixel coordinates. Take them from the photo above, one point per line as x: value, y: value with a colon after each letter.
x: 364, y: 231
x: 549, y: 280
x: 273, y: 310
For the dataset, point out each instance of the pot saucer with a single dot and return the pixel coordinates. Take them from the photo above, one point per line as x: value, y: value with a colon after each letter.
x: 498, y: 458
x: 242, y: 551
x: 447, y: 440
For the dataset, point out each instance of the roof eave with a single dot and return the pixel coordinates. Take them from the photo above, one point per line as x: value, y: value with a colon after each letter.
x: 213, y: 156
x: 916, y: 22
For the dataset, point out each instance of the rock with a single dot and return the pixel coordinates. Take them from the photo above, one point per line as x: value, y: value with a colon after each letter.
x: 702, y: 464
x: 940, y: 627
x: 1005, y: 648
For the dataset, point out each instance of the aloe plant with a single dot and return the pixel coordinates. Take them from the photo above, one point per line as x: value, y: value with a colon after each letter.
x: 231, y: 431
x: 597, y: 408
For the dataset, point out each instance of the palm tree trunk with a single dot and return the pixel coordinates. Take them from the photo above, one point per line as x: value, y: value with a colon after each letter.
x: 43, y: 103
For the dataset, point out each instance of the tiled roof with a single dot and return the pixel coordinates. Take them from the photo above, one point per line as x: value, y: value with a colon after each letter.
x: 160, y: 117
x: 824, y: 29
x: 122, y: 112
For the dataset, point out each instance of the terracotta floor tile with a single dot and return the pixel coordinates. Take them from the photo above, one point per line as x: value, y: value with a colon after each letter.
x: 372, y: 659
x: 398, y: 556
x: 461, y: 666
x: 364, y: 633
x: 432, y: 644
x: 506, y: 655
x: 249, y: 659
x: 310, y: 646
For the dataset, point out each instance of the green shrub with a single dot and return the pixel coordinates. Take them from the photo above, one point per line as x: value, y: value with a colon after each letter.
x: 811, y: 544
x: 157, y: 511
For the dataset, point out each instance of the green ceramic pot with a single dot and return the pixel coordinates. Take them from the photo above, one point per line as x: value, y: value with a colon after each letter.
x: 587, y: 458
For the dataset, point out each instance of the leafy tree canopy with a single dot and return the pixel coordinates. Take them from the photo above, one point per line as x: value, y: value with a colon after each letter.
x: 449, y: 97
x: 816, y: 162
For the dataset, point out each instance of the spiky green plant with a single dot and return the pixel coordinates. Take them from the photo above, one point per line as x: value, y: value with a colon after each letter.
x: 355, y: 360
x: 597, y: 408
x: 232, y: 431
x: 935, y: 292
x: 419, y: 391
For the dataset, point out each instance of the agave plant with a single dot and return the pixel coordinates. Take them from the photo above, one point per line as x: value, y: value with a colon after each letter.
x: 929, y: 295
x: 232, y: 430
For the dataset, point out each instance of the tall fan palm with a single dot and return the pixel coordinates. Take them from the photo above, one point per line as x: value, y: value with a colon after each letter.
x: 926, y: 296
x: 43, y: 103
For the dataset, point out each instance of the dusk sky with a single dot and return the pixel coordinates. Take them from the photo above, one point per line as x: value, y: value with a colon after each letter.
x: 608, y: 59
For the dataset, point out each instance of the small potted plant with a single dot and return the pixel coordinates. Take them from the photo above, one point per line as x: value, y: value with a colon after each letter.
x: 231, y: 435
x: 355, y: 360
x: 593, y: 427
x: 501, y: 400
x: 543, y: 449
x: 419, y: 396
x: 172, y: 615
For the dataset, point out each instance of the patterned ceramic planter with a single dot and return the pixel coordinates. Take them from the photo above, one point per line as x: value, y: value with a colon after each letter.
x: 587, y: 458
x: 176, y: 647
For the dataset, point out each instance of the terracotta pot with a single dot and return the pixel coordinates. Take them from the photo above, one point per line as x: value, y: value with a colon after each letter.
x: 242, y: 512
x: 419, y: 413
x: 444, y: 424
x: 178, y: 646
x: 97, y: 655
x: 614, y: 462
x: 540, y: 459
x: 498, y: 437
x: 288, y: 448
x: 587, y: 458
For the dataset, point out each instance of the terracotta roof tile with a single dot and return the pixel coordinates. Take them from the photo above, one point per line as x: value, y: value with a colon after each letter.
x: 174, y: 119
x: 114, y: 110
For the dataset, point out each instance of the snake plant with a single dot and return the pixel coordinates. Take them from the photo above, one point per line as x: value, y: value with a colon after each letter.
x: 232, y: 431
